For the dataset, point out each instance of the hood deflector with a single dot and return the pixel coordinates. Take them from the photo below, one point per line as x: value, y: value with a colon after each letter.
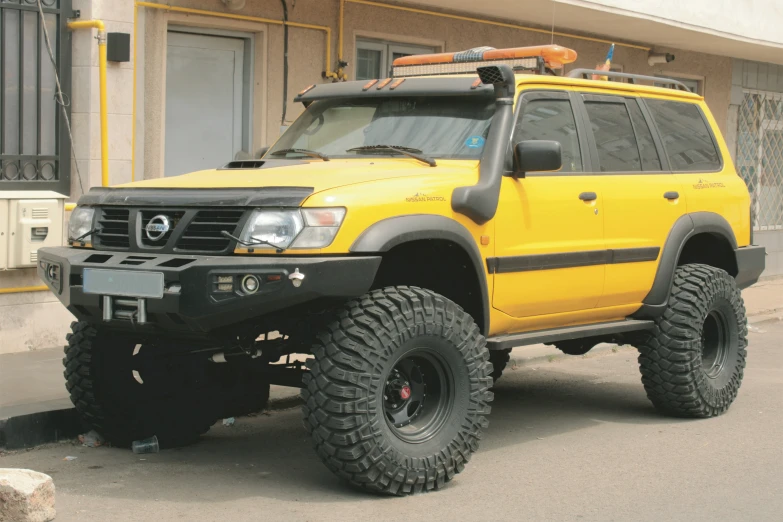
x: 207, y: 197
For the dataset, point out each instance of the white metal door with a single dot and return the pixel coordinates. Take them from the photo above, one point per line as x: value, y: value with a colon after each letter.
x: 204, y: 89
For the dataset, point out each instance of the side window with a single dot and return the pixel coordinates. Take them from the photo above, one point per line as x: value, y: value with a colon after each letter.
x: 551, y: 119
x: 685, y: 136
x: 650, y: 159
x: 614, y: 136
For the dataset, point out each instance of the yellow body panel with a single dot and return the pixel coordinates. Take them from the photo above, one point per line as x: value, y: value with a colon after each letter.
x: 544, y: 215
x: 640, y: 198
x: 536, y: 215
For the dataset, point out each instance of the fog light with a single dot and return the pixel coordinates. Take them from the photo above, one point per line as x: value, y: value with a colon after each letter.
x: 250, y: 284
x: 225, y: 287
x: 51, y: 272
x: 225, y: 279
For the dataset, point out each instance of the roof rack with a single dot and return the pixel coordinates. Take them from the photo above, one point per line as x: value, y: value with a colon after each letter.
x: 667, y: 82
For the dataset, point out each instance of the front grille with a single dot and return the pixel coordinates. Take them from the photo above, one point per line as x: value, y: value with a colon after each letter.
x: 147, y: 215
x: 204, y: 232
x: 113, y: 228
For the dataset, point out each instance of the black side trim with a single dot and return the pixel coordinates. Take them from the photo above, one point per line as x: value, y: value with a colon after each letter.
x: 504, y: 342
x: 209, y: 197
x: 634, y: 255
x: 686, y: 226
x: 502, y: 265
x: 391, y: 232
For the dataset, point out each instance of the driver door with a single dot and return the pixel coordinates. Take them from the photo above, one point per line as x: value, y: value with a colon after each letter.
x: 549, y: 226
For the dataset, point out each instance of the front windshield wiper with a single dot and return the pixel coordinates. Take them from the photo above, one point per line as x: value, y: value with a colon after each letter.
x: 408, y: 151
x: 251, y: 243
x: 306, y: 152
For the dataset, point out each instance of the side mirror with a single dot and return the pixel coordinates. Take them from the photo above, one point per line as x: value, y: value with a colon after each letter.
x: 537, y: 156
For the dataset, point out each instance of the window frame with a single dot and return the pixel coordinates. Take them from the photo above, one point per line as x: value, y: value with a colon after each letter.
x: 525, y: 97
x: 586, y: 139
x: 625, y: 101
x: 387, y: 48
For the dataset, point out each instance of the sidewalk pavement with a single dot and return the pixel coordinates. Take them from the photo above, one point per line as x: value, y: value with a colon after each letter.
x: 32, y: 382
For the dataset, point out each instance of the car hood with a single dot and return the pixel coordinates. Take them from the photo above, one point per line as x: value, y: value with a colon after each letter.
x: 319, y: 175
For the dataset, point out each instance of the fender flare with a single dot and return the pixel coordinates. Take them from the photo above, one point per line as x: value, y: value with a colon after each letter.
x: 391, y: 232
x: 687, y: 226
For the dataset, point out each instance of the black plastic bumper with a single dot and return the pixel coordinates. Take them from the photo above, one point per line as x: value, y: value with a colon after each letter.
x: 751, y: 261
x: 191, y: 299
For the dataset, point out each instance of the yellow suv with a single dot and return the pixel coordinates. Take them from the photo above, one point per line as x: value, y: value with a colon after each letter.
x: 406, y: 233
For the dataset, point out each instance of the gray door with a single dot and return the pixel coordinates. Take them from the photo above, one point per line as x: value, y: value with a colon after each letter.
x: 204, y: 90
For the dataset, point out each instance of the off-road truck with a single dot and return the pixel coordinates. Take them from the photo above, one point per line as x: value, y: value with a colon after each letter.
x: 405, y: 234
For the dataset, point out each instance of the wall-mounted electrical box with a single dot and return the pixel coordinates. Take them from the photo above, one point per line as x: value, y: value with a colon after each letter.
x: 118, y: 47
x: 29, y: 220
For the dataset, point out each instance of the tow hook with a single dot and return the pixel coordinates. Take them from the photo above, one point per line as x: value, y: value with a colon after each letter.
x: 296, y: 278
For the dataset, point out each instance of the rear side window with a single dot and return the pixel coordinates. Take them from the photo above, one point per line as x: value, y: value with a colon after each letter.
x: 614, y: 137
x: 551, y: 119
x: 686, y: 138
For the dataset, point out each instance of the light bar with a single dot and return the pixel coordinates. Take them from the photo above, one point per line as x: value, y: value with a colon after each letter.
x: 457, y: 68
x: 517, y: 57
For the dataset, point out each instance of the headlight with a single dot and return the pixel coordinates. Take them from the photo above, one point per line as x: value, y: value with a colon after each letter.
x: 277, y: 227
x: 81, y: 223
x: 308, y: 228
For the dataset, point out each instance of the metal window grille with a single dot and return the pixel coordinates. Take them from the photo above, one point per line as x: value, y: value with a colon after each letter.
x: 34, y: 147
x: 760, y: 156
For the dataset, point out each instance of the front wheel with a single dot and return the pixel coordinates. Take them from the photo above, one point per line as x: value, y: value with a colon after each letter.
x: 692, y: 362
x: 398, y: 393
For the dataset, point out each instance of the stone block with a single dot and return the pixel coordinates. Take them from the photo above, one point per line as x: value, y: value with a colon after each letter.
x: 26, y: 496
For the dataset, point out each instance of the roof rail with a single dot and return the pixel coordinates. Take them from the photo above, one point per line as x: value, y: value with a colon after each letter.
x: 668, y: 82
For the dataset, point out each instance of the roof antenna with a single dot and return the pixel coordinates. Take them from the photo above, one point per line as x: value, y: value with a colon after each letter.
x: 553, y: 22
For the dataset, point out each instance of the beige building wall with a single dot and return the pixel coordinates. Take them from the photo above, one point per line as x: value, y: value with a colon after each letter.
x: 307, y: 49
x: 33, y: 320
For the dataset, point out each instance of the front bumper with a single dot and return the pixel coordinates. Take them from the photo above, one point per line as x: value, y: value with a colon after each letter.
x: 190, y: 299
x: 751, y: 261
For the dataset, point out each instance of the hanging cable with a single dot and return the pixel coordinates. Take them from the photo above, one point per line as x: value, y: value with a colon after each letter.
x: 59, y: 98
x: 285, y: 60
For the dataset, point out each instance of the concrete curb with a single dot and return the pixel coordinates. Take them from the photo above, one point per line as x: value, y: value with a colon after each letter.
x: 43, y: 427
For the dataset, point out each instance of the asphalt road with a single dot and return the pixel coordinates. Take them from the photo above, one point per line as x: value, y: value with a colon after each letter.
x: 569, y: 439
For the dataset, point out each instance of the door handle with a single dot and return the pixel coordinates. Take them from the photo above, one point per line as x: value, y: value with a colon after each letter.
x: 673, y: 194
x: 588, y: 196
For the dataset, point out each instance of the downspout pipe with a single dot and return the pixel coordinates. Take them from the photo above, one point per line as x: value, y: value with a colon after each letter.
x: 480, y: 201
x: 99, y: 25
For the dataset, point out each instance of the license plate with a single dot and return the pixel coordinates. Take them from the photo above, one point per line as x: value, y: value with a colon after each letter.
x: 123, y: 283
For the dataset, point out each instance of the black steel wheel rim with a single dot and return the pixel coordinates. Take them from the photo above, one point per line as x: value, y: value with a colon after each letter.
x: 418, y: 395
x: 714, y: 344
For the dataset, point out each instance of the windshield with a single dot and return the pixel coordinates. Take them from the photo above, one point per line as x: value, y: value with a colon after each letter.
x: 449, y: 127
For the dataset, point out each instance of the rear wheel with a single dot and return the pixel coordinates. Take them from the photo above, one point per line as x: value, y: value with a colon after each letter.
x: 129, y: 391
x: 692, y: 363
x: 397, y: 395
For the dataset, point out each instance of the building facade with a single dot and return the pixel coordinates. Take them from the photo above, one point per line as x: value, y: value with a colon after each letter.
x: 209, y: 81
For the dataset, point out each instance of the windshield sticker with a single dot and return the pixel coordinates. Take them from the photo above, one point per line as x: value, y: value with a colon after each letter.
x: 475, y: 142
